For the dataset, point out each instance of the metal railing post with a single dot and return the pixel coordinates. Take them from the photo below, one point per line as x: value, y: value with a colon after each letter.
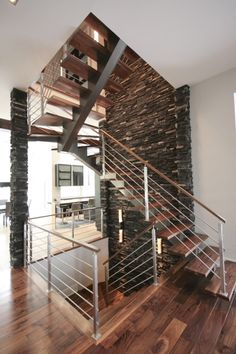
x: 49, y: 262
x: 106, y: 282
x: 222, y: 261
x: 103, y: 156
x: 96, y: 333
x: 154, y: 255
x: 25, y: 244
x: 146, y: 199
x: 73, y: 227
x: 41, y: 94
x: 102, y: 222
x: 31, y: 245
x: 89, y: 215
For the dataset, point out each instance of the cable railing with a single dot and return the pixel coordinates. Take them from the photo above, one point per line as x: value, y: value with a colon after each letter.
x: 157, y: 194
x: 71, y: 272
x: 78, y: 224
x: 137, y: 269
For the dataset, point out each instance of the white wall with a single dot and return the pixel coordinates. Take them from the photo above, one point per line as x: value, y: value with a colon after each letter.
x: 214, y: 149
x: 39, y: 178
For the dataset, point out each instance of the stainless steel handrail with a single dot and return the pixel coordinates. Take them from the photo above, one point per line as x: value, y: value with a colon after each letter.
x: 137, y: 168
x: 180, y: 232
x: 174, y: 216
x: 162, y: 175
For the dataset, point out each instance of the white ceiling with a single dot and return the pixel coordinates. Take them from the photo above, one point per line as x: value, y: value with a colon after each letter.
x: 186, y: 41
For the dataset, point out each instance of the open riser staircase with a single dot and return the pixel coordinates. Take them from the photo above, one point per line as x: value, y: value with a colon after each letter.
x: 73, y: 87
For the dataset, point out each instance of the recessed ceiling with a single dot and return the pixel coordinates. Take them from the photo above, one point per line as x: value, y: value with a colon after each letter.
x: 186, y: 41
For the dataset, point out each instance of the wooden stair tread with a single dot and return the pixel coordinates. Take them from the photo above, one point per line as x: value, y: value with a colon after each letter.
x: 62, y: 102
x: 166, y: 215
x: 43, y: 131
x: 196, y: 266
x: 122, y: 70
x: 52, y: 120
x: 93, y: 22
x: 78, y: 67
x: 213, y: 286
x: 91, y: 142
x: 188, y: 245
x: 173, y: 231
x: 87, y: 45
x: 155, y: 204
x: 74, y: 89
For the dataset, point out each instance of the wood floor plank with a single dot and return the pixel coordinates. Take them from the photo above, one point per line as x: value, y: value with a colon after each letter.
x: 212, y: 328
x: 227, y: 340
x: 189, y: 245
x: 169, y: 337
x: 178, y: 319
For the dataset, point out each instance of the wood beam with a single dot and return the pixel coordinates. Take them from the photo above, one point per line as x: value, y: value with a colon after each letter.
x: 80, y: 116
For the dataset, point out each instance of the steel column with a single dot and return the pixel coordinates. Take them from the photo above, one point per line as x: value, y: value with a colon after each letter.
x: 222, y: 261
x: 146, y: 199
x: 96, y: 333
x: 49, y: 262
x: 154, y: 255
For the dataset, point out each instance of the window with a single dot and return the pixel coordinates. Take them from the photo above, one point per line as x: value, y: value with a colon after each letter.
x: 77, y: 176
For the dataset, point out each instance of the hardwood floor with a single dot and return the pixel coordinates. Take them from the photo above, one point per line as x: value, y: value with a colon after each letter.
x: 178, y: 319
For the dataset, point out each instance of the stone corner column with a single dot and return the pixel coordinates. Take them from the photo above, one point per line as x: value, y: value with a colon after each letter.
x: 183, y: 146
x: 19, y: 176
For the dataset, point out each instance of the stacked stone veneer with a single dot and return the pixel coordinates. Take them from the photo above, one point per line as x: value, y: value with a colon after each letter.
x: 19, y: 176
x: 152, y: 118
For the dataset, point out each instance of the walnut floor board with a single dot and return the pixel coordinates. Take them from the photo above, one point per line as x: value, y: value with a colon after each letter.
x: 178, y: 319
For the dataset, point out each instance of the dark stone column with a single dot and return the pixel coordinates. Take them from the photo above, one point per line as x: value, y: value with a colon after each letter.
x: 183, y: 146
x: 19, y: 175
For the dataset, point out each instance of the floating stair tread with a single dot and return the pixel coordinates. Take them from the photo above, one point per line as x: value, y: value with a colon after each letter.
x: 78, y: 67
x: 62, y: 102
x: 52, y: 120
x: 44, y: 131
x: 206, y: 264
x: 122, y: 70
x: 131, y: 55
x: 93, y: 22
x: 213, y: 286
x: 69, y: 87
x: 164, y: 216
x: 91, y: 142
x: 155, y: 204
x: 74, y: 89
x: 87, y: 45
x: 173, y: 231
x: 188, y: 245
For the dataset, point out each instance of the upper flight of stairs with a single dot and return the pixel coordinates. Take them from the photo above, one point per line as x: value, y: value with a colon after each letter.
x: 78, y: 69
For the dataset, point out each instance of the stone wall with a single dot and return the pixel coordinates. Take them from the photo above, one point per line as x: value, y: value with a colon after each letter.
x: 152, y: 118
x: 19, y: 176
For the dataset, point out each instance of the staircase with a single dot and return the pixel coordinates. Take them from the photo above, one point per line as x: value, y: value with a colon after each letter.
x: 75, y: 85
